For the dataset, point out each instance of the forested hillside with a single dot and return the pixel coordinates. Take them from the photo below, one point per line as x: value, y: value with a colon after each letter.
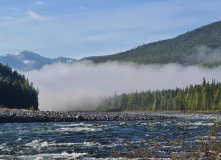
x: 201, y: 46
x: 199, y: 97
x: 16, y: 91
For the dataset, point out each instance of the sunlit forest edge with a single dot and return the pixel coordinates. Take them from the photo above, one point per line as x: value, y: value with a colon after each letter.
x: 205, y: 96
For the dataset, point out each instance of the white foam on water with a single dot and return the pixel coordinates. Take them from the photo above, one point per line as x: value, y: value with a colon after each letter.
x: 38, y: 144
x: 88, y: 144
x: 193, y: 127
x: 112, y: 145
x: 44, y: 144
x: 166, y: 146
x: 2, y: 146
x: 73, y: 155
x: 19, y: 139
x: 164, y: 124
x: 78, y: 129
x: 198, y: 140
x: 63, y: 144
x: 122, y: 123
x: 103, y: 125
x: 19, y: 152
x: 201, y: 124
x: 39, y: 158
x: 63, y: 155
x: 33, y: 143
x: 76, y: 124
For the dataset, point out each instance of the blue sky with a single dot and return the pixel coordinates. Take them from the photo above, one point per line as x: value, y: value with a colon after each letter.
x: 81, y: 28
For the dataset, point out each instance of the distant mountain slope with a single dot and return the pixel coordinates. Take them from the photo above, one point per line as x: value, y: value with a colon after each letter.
x: 91, y: 58
x: 201, y: 46
x: 27, y: 60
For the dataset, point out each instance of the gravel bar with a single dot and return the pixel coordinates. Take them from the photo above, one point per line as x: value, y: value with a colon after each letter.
x: 25, y: 116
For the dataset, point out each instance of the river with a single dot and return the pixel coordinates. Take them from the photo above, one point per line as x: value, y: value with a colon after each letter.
x: 93, y: 140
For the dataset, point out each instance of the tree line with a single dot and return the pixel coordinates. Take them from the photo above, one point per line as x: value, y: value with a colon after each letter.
x: 16, y: 91
x: 206, y: 96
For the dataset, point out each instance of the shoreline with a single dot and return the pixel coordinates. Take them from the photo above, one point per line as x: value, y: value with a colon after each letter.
x: 166, y: 111
x: 27, y: 116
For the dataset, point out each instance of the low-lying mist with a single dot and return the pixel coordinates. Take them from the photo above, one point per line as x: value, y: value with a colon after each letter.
x: 81, y: 85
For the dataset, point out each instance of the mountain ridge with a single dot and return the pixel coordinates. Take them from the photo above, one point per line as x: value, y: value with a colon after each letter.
x: 184, y: 49
x: 28, y: 60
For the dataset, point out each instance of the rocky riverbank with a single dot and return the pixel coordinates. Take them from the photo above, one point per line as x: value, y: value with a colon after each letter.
x: 26, y: 116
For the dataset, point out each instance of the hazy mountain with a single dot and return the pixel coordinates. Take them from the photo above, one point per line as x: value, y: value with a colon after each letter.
x: 91, y: 58
x: 201, y: 46
x: 63, y: 60
x: 27, y: 60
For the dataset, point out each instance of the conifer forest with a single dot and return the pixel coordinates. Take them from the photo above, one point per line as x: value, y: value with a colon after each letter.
x: 205, y: 96
x: 16, y: 91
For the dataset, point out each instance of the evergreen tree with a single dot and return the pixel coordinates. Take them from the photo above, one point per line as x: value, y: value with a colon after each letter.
x: 16, y: 91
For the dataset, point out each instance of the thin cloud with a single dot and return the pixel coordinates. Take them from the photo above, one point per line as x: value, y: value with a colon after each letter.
x: 6, y: 18
x: 12, y: 8
x: 81, y: 8
x: 39, y: 3
x: 33, y: 14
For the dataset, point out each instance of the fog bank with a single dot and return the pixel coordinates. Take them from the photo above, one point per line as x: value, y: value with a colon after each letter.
x: 81, y: 85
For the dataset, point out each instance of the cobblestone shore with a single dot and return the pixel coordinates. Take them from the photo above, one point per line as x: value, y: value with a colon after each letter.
x: 25, y: 116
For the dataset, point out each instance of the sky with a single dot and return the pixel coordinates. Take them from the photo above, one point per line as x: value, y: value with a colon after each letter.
x: 82, y: 28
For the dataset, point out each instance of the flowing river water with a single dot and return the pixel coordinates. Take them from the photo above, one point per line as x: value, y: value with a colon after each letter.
x: 97, y: 139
